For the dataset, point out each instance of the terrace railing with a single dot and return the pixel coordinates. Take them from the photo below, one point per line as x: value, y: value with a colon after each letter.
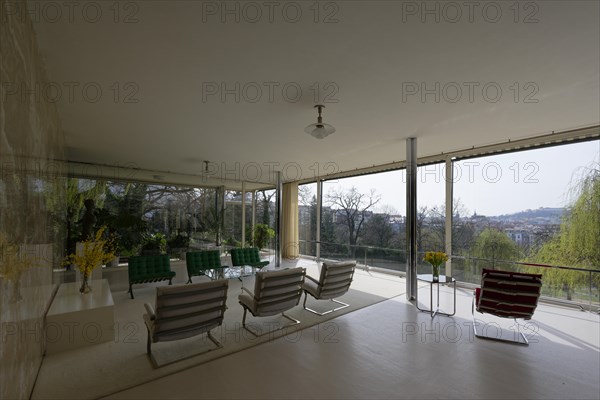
x: 578, y: 286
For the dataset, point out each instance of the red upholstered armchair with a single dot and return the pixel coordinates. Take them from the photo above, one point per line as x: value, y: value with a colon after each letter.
x: 507, y: 294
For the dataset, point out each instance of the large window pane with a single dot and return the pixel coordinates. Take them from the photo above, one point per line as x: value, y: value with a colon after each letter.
x: 307, y: 219
x: 431, y: 212
x: 536, y: 206
x: 266, y: 212
x: 145, y: 218
x: 361, y: 220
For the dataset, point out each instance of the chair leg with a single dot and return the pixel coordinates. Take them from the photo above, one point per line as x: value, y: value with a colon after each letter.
x: 170, y: 281
x: 244, y: 318
x: 149, y: 344
x: 189, y: 279
x: 305, y: 296
x: 343, y: 305
x: 294, y: 320
x: 255, y: 334
x: 214, y: 340
x: 130, y: 291
x: 523, y: 342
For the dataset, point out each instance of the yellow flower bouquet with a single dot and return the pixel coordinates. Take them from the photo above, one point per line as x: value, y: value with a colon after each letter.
x: 436, y: 259
x: 95, y: 253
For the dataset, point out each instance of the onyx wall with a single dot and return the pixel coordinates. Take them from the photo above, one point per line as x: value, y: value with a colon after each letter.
x: 32, y: 204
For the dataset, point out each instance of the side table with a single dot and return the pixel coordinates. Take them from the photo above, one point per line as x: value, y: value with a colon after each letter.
x: 442, y: 280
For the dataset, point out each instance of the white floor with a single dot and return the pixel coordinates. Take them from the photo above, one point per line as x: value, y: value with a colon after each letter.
x: 391, y: 350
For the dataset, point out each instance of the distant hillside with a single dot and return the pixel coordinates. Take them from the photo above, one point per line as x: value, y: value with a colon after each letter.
x: 544, y: 212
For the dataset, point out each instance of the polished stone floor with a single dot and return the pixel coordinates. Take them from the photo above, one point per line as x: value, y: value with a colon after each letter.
x: 391, y: 350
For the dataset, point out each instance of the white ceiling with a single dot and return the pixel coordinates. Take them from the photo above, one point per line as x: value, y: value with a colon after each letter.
x: 371, y: 52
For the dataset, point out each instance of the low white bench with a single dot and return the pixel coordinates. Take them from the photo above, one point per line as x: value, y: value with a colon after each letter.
x: 76, y: 320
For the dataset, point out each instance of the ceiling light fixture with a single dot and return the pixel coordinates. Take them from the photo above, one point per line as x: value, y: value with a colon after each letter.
x: 319, y: 130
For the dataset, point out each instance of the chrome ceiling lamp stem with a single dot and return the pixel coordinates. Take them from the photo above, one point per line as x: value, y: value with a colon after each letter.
x: 320, y: 129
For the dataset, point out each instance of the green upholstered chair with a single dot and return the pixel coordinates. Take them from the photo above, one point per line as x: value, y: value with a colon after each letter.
x: 207, y: 262
x: 334, y: 281
x: 183, y: 311
x: 247, y: 256
x: 144, y: 269
x: 274, y: 292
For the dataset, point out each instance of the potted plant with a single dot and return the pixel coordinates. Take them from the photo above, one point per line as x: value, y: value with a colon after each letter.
x: 261, y: 235
x: 154, y: 244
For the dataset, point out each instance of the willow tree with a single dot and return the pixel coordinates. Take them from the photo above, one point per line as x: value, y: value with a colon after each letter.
x: 577, y: 244
x: 495, y: 245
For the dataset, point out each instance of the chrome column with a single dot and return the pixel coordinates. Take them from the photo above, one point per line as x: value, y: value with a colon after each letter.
x: 411, y: 218
x: 279, y: 205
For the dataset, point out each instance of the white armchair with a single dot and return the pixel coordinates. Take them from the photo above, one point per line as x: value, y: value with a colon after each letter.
x: 274, y: 292
x: 334, y: 282
x: 185, y: 311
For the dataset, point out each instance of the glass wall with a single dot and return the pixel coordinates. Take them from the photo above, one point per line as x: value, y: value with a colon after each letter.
x: 266, y: 213
x: 535, y: 206
x: 431, y: 212
x: 361, y: 220
x: 232, y: 227
x: 307, y: 219
x: 144, y: 218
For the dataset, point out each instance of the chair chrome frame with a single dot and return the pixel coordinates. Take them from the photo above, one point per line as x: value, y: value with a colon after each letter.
x: 343, y: 305
x: 269, y: 287
x: 323, y: 283
x: 217, y: 343
x: 523, y: 342
x: 283, y: 314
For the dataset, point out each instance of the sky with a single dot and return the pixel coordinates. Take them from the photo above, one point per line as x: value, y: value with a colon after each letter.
x: 495, y: 185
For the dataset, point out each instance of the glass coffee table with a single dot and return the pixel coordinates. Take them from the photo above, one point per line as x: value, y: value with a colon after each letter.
x: 442, y: 280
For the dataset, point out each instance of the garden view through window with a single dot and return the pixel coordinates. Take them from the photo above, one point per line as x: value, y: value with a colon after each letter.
x: 510, y: 210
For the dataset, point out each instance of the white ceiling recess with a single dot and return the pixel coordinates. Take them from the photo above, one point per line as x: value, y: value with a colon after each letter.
x: 183, y: 83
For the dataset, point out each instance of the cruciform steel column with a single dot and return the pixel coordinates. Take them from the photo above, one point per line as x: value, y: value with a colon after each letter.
x: 449, y: 213
x: 411, y: 218
x: 319, y: 208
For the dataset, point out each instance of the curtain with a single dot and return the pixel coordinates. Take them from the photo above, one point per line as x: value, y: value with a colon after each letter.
x: 289, y: 221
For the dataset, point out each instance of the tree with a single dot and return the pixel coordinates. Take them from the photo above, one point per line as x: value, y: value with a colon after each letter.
x: 264, y: 202
x: 328, y: 238
x: 496, y: 245
x: 577, y: 243
x: 353, y: 207
x: 78, y: 190
x: 123, y: 213
x: 378, y: 230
